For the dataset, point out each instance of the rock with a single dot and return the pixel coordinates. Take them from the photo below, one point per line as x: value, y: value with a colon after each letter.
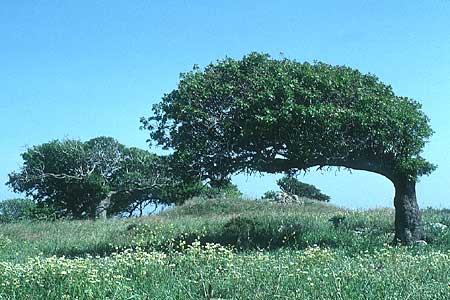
x: 286, y: 198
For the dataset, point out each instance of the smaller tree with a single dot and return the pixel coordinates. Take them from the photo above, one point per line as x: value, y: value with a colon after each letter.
x: 293, y: 186
x: 13, y: 210
x: 97, y: 178
x: 269, y: 195
x: 226, y: 190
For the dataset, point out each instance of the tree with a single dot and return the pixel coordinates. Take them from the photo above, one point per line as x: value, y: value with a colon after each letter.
x: 93, y: 178
x: 12, y: 210
x: 293, y: 186
x: 226, y: 190
x: 266, y: 115
x: 269, y: 195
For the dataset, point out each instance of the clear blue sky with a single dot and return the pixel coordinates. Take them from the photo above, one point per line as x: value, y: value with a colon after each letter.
x: 81, y: 69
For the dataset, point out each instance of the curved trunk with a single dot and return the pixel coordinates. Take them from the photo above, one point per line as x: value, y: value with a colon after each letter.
x: 408, y: 227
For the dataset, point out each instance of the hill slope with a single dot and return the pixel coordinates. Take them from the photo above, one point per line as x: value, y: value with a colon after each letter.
x: 227, y: 249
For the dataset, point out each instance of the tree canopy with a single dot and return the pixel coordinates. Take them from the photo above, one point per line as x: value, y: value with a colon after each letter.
x: 80, y: 178
x: 274, y: 115
x: 267, y: 115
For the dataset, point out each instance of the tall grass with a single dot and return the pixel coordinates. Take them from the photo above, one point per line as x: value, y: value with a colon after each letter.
x: 226, y: 249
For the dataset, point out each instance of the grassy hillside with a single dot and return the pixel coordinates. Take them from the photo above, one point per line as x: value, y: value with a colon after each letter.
x: 227, y: 249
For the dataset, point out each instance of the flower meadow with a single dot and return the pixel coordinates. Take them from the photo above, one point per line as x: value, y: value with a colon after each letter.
x: 131, y: 261
x: 212, y: 271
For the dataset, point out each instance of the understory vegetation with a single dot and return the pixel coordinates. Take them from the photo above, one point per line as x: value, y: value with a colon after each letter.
x: 227, y: 249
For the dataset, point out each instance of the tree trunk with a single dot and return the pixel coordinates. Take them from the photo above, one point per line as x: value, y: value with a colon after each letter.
x: 102, y: 209
x: 408, y: 227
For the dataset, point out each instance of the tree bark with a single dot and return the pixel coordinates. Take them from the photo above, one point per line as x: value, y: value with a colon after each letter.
x: 408, y: 226
x: 102, y: 208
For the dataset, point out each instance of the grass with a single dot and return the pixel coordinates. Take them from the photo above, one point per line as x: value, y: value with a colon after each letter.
x: 226, y: 249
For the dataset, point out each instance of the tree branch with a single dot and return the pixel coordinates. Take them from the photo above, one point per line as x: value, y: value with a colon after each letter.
x: 278, y: 165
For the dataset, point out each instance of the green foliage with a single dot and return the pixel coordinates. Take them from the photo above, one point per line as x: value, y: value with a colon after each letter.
x: 337, y: 220
x: 227, y: 191
x: 269, y: 195
x: 13, y: 210
x: 43, y: 212
x: 169, y: 257
x: 268, y: 115
x: 244, y: 224
x: 212, y: 208
x: 253, y: 233
x: 179, y: 190
x: 214, y: 272
x: 73, y: 178
x: 293, y: 186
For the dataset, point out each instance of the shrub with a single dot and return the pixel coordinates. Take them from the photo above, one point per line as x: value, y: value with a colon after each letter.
x: 293, y: 186
x: 246, y: 233
x: 337, y: 220
x: 43, y: 212
x: 269, y: 195
x: 13, y: 210
x: 229, y: 190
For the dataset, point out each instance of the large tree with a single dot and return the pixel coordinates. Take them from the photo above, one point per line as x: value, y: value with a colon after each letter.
x: 268, y: 115
x: 88, y: 179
